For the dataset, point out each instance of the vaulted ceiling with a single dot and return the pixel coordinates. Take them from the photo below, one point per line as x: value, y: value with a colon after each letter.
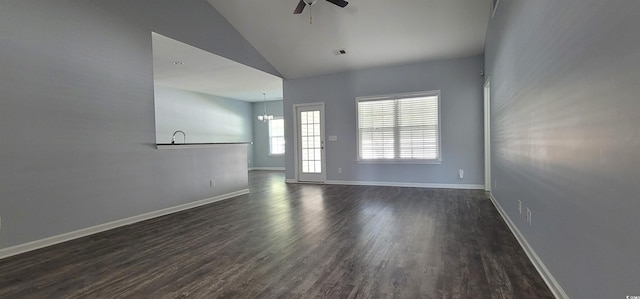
x: 373, y: 32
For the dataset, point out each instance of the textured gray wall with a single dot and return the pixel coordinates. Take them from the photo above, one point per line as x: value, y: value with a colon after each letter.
x: 565, y: 136
x: 460, y: 84
x: 204, y: 118
x: 77, y: 112
x: 261, y: 157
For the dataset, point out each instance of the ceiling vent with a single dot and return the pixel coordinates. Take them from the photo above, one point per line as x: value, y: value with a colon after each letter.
x: 340, y: 52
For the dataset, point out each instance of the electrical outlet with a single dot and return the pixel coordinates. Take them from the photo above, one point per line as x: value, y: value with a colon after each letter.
x: 339, y: 169
x: 212, y: 183
x: 461, y: 173
x: 529, y: 216
x: 520, y: 206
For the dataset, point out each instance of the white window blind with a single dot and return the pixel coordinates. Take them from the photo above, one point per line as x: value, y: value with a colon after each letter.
x: 276, y: 136
x: 399, y: 127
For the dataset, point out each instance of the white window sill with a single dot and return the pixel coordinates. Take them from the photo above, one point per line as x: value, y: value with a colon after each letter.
x: 399, y: 161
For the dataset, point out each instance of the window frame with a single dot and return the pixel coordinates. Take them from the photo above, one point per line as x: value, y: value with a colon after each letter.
x: 396, y: 96
x: 270, y: 137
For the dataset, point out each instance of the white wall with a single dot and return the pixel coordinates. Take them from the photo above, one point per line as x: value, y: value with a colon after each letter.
x: 460, y: 84
x: 204, y: 118
x: 261, y: 157
x: 77, y: 112
x: 565, y: 125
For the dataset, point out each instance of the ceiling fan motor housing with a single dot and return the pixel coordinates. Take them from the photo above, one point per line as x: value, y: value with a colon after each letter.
x: 303, y: 3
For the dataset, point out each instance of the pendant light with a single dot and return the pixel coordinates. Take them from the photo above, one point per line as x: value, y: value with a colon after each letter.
x: 265, y: 117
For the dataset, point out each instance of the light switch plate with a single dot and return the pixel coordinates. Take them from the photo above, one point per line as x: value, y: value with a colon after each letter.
x: 333, y: 138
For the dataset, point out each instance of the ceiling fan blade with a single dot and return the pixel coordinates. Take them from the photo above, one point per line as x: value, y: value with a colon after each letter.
x: 300, y: 7
x: 340, y: 3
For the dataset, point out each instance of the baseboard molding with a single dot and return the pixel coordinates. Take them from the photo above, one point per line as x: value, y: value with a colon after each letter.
x: 548, y: 278
x: 267, y: 168
x: 397, y: 184
x: 26, y: 247
x: 402, y: 184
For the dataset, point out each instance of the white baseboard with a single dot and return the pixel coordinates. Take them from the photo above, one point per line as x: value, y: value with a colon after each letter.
x: 548, y: 278
x: 267, y: 168
x: 22, y: 248
x: 402, y: 184
x: 397, y: 184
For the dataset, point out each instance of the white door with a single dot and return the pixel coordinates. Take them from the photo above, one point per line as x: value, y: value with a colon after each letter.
x: 310, y: 160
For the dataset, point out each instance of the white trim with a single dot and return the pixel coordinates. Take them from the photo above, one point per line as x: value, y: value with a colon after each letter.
x: 266, y: 168
x: 487, y: 135
x: 22, y: 248
x: 271, y: 137
x: 291, y: 181
x: 437, y: 160
x: 399, y: 161
x: 399, y: 95
x: 304, y: 182
x: 296, y: 153
x: 548, y: 278
x: 403, y: 184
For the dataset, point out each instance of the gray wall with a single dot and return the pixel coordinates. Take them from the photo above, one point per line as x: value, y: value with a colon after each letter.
x: 204, y: 118
x: 460, y: 84
x: 77, y: 112
x: 261, y: 157
x: 565, y: 136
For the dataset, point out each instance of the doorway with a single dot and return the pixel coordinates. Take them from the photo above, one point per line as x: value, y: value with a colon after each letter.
x: 309, y: 132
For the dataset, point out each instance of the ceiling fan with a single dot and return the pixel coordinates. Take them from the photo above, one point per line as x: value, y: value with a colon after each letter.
x: 304, y: 3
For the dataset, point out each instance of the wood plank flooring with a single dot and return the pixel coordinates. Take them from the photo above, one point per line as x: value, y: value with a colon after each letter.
x: 293, y: 241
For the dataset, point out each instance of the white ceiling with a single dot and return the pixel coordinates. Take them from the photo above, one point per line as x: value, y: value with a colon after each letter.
x: 374, y: 32
x: 204, y: 72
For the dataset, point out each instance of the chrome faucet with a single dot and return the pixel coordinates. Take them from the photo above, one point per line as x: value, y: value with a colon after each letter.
x: 184, y: 137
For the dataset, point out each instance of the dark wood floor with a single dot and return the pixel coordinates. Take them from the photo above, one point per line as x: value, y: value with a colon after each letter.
x: 293, y: 241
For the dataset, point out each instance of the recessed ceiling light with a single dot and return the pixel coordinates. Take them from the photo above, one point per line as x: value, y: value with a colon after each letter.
x: 178, y: 63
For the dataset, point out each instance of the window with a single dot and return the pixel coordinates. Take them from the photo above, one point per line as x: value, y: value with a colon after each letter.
x: 276, y: 136
x: 403, y: 127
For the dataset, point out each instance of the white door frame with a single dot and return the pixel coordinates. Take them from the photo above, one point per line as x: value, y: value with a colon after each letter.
x: 487, y: 134
x: 296, y: 124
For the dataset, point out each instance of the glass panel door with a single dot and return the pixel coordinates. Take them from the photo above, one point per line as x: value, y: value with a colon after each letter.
x: 310, y: 143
